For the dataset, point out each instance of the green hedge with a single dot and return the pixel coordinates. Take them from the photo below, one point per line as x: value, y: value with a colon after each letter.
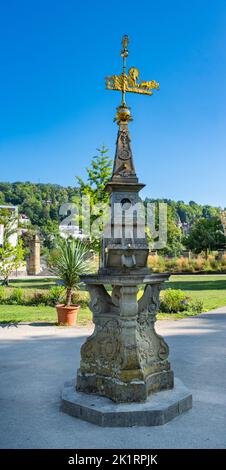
x: 176, y: 301
x: 187, y: 265
x: 171, y: 300
x: 19, y: 296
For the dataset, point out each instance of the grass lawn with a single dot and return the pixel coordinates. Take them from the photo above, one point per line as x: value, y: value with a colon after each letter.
x: 23, y: 313
x: 34, y: 284
x: 210, y: 289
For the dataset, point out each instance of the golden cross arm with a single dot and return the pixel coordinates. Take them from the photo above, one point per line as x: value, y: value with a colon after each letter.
x: 131, y: 83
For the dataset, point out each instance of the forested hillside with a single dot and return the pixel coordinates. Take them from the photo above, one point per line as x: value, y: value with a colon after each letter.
x: 41, y: 203
x: 188, y: 213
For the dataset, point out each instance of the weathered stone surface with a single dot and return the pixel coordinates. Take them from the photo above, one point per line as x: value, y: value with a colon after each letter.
x: 124, y: 359
x: 123, y: 164
x: 157, y: 410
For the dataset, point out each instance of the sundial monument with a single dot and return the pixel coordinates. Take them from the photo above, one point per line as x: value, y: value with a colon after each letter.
x: 125, y: 377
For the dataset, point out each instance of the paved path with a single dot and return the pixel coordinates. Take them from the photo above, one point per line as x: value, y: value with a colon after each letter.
x: 36, y: 360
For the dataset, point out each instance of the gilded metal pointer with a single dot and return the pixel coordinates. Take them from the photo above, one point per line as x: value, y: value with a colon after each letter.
x: 129, y: 82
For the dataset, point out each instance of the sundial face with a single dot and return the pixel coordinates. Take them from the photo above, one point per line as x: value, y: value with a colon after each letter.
x: 124, y: 154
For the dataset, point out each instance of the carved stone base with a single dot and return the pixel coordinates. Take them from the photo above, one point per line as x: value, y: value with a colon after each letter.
x: 159, y: 408
x: 124, y: 359
x: 118, y: 391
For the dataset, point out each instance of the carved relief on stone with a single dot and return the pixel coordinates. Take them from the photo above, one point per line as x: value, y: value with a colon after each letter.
x: 113, y: 346
x: 124, y: 344
x: 151, y: 341
x: 145, y: 342
x: 101, y: 351
x: 123, y: 165
x: 116, y: 295
x: 124, y: 145
x: 100, y: 300
x: 149, y: 302
x: 124, y: 170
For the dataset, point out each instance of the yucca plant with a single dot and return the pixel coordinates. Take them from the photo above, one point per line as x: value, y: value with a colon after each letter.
x: 72, y: 261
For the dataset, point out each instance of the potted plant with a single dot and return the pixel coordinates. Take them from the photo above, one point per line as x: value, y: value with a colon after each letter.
x: 72, y: 261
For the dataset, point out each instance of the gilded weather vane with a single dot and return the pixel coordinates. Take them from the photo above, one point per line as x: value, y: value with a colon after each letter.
x: 129, y: 82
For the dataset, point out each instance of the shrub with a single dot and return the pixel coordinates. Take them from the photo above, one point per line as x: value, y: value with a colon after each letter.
x: 223, y: 260
x: 56, y: 295
x: 17, y: 296
x: 183, y: 264
x: 171, y: 264
x: 52, y: 257
x: 161, y: 264
x: 215, y: 265
x: 196, y: 306
x: 180, y: 264
x: 207, y: 266
x: 80, y: 298
x: 192, y: 265
x: 198, y: 263
x: 73, y: 260
x: 173, y: 301
x: 153, y: 262
x: 2, y: 295
x: 157, y: 263
x: 38, y: 298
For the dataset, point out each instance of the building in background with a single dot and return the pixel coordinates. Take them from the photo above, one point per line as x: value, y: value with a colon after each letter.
x: 71, y: 231
x: 13, y: 239
x: 20, y: 227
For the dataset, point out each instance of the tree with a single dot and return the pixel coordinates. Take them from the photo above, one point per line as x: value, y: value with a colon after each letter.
x: 174, y: 235
x: 97, y: 177
x: 2, y: 198
x: 9, y: 220
x: 39, y: 202
x: 205, y: 235
x: 11, y: 257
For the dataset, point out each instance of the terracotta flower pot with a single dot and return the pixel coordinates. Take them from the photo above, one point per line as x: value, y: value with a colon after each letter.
x: 67, y: 315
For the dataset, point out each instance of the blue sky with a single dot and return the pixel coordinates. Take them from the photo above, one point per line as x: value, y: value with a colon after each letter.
x: 55, y: 110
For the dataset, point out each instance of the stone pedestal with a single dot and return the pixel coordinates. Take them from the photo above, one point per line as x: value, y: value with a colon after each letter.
x: 124, y: 377
x: 157, y: 410
x: 33, y: 264
x: 124, y: 359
